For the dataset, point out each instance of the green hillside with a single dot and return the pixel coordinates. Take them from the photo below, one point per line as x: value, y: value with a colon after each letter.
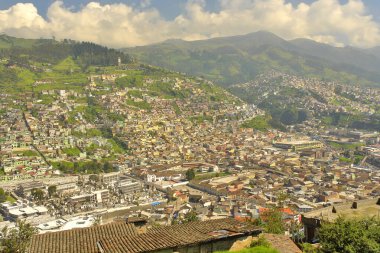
x: 241, y: 58
x: 48, y: 51
x: 33, y: 66
x: 7, y: 42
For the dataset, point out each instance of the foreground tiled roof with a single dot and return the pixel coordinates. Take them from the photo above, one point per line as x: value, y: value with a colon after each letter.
x: 208, y: 226
x: 176, y: 236
x: 282, y: 243
x: 81, y: 240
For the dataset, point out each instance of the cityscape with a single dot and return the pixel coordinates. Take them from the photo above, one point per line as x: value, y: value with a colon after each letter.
x: 138, y: 149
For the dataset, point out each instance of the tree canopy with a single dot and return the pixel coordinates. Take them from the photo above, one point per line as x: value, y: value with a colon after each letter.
x: 273, y: 221
x: 3, y: 196
x: 52, y: 190
x: 190, y: 174
x: 37, y: 194
x: 17, y: 239
x: 351, y: 235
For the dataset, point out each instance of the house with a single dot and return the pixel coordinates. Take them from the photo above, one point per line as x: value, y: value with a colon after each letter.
x: 67, y: 188
x: 198, y: 236
x: 129, y: 186
x: 79, y: 240
x: 110, y: 178
x: 153, y: 178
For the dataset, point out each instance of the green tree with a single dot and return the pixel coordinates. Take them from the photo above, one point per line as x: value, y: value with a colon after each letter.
x: 338, y: 89
x: 350, y: 235
x: 52, y: 190
x: 190, y: 174
x: 281, y: 198
x: 107, y: 167
x: 289, y: 117
x: 190, y: 216
x: 273, y: 221
x: 302, y: 116
x: 17, y: 239
x: 3, y: 196
x: 94, y: 178
x: 37, y: 194
x: 308, y: 248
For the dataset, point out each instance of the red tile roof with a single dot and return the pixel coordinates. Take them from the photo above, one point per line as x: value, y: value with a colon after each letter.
x: 82, y: 240
x: 176, y: 236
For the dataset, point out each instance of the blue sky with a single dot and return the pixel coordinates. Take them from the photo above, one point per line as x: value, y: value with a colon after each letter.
x: 125, y: 23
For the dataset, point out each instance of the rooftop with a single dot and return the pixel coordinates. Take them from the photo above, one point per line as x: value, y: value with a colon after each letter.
x: 119, y: 237
x: 78, y: 240
x: 177, y: 235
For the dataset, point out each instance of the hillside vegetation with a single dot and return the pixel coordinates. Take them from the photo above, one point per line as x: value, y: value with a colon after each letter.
x: 50, y: 51
x: 33, y: 65
x: 241, y: 58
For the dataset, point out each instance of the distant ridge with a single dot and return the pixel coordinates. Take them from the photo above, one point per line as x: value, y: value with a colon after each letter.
x: 240, y: 58
x: 374, y: 51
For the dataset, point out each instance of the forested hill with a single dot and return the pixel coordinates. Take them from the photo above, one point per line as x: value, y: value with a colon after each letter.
x: 51, y: 51
x: 236, y: 59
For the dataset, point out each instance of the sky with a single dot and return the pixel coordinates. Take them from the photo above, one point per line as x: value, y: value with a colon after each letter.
x: 126, y: 23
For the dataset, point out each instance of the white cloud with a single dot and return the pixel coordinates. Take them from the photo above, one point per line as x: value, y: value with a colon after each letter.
x: 120, y: 25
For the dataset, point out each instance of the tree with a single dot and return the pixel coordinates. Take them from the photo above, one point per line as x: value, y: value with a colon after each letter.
x: 281, y: 198
x: 289, y: 117
x: 190, y: 174
x: 107, y: 167
x: 18, y: 238
x: 37, y: 194
x: 338, y: 89
x: 3, y: 196
x: 52, y: 190
x: 346, y: 236
x: 190, y: 216
x: 302, y: 116
x: 309, y: 248
x: 94, y: 178
x: 273, y: 221
x: 296, y: 231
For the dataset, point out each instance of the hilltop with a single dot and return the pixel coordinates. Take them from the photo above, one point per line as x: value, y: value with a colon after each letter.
x: 235, y: 59
x: 25, y: 62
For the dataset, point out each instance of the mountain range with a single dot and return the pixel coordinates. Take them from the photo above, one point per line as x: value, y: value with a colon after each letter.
x: 236, y: 59
x: 270, y: 67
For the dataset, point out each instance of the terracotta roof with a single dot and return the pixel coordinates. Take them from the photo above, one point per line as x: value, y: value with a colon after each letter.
x: 176, y: 236
x: 282, y: 243
x: 82, y: 240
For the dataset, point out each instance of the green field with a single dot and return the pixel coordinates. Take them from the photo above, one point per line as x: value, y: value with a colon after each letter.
x: 346, y: 146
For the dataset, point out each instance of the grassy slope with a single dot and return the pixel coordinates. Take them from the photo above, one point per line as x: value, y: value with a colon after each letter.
x: 7, y: 42
x: 228, y: 63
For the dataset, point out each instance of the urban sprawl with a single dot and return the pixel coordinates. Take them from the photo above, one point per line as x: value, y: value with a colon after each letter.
x: 121, y: 148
